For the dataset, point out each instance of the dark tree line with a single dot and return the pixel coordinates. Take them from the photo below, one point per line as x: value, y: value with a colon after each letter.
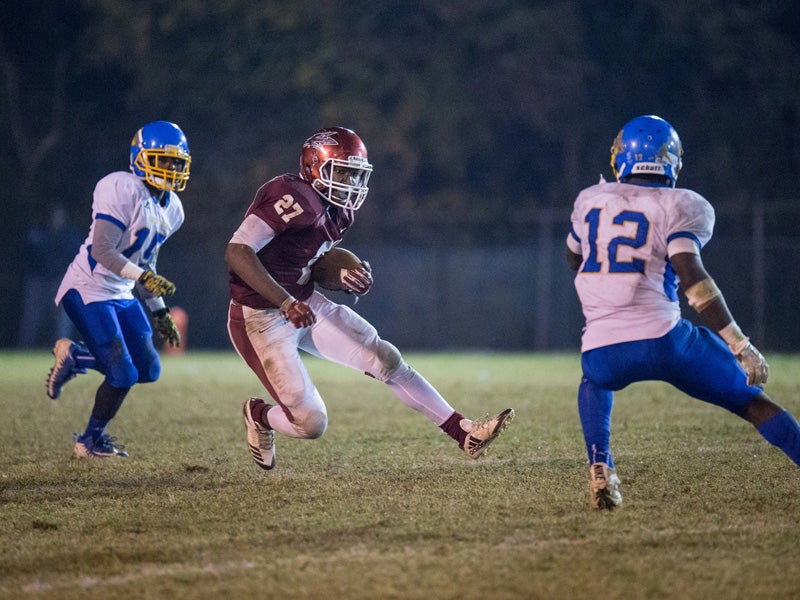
x: 478, y: 114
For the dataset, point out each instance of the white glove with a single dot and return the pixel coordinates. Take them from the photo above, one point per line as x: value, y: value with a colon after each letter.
x: 754, y: 364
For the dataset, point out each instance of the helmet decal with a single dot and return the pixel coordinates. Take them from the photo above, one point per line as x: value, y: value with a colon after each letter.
x: 322, y: 138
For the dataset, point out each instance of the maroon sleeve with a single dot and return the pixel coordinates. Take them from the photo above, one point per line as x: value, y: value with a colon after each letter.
x: 304, y: 229
x: 282, y: 203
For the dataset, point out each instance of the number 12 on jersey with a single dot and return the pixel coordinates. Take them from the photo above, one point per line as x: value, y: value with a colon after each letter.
x: 616, y: 264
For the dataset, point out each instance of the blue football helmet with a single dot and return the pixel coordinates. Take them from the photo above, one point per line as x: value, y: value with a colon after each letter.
x: 160, y: 156
x: 647, y: 145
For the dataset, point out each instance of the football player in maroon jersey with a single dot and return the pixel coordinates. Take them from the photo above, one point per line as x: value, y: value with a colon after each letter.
x: 275, y: 310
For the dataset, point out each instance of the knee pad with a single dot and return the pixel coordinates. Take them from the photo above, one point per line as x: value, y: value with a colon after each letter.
x: 311, y: 424
x: 390, y: 359
x: 122, y: 374
x: 116, y: 364
x: 151, y: 371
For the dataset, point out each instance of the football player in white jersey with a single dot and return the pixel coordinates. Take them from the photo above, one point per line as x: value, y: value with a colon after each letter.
x: 133, y: 213
x: 632, y: 243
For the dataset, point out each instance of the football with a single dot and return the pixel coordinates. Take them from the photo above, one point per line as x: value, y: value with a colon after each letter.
x: 327, y: 272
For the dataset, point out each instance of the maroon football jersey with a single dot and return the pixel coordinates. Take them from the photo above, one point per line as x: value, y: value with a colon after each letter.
x: 305, y: 228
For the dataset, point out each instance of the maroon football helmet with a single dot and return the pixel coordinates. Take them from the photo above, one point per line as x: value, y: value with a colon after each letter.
x: 334, y: 161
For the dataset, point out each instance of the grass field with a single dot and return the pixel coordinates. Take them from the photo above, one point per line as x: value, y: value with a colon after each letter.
x: 385, y: 505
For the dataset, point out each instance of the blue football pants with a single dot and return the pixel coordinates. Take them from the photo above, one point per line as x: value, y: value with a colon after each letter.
x: 119, y: 335
x: 693, y: 359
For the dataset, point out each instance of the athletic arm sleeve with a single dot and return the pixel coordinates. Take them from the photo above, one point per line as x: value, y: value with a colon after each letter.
x: 253, y: 232
x: 105, y: 240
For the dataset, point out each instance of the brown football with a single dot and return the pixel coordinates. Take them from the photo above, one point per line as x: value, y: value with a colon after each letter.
x: 327, y: 271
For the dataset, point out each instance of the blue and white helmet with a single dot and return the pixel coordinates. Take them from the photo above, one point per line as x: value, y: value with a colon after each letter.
x: 647, y: 145
x: 160, y: 156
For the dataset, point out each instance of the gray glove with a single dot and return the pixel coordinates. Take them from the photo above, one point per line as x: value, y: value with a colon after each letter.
x: 754, y: 364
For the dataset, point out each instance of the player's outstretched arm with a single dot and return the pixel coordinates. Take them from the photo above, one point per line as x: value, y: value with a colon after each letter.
x: 104, y: 250
x: 707, y: 299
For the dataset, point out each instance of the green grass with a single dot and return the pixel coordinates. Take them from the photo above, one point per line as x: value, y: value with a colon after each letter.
x: 384, y: 505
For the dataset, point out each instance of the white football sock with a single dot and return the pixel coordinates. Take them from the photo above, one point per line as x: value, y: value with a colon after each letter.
x: 415, y: 392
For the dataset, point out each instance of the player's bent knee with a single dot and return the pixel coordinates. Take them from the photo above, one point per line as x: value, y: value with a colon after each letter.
x: 151, y: 372
x: 122, y: 375
x: 390, y: 358
x: 312, y: 424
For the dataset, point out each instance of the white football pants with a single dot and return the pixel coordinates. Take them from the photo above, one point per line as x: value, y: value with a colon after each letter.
x: 269, y: 345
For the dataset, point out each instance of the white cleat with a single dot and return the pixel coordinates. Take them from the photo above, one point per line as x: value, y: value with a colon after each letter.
x: 64, y: 368
x: 482, y: 433
x: 260, y: 440
x: 604, y: 487
x: 103, y: 447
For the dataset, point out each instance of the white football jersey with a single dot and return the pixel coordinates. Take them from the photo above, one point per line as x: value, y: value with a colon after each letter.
x: 626, y: 284
x: 123, y: 199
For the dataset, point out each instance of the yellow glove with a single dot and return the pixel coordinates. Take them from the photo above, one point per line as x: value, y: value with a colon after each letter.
x: 166, y: 328
x: 158, y: 285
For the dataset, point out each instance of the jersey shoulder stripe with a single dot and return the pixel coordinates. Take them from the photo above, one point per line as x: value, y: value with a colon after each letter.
x: 110, y: 219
